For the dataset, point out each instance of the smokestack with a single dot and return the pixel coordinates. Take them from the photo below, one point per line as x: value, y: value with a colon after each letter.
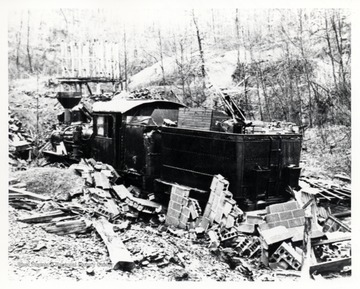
x: 68, y: 100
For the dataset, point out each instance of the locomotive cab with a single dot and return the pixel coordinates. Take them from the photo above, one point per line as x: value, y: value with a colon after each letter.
x: 126, y: 136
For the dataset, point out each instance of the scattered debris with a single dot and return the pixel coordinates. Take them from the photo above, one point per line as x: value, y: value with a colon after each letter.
x: 272, y: 236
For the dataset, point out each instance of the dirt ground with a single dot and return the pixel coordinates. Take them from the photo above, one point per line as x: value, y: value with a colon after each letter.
x: 37, y: 255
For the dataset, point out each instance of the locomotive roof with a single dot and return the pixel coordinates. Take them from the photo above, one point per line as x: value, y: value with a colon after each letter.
x: 124, y: 105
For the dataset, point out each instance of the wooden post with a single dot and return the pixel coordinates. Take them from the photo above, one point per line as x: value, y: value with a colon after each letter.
x: 306, y: 256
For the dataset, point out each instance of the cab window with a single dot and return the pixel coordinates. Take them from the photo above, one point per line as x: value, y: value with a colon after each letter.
x: 104, y: 126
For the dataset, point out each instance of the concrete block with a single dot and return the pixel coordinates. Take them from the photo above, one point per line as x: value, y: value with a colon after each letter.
x: 214, y: 239
x: 266, y: 226
x: 292, y: 205
x: 298, y: 213
x: 229, y: 198
x: 254, y: 219
x: 183, y: 219
x: 171, y: 221
x: 179, y: 190
x: 295, y: 222
x: 207, y: 211
x: 286, y: 253
x: 186, y: 212
x: 230, y: 222
x: 249, y: 247
x: 237, y: 212
x: 218, y: 215
x: 227, y: 207
x: 178, y: 199
x: 276, y: 208
x: 216, y: 179
x: 173, y: 213
x: 227, y: 236
x: 276, y: 234
x: 212, y: 216
x: 287, y: 215
x: 283, y: 223
x: 175, y: 206
x: 183, y: 224
x: 204, y: 223
x: 211, y: 198
x: 271, y: 218
x: 246, y: 228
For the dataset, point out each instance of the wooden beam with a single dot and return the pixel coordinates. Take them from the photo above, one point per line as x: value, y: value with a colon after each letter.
x: 27, y: 194
x: 120, y: 257
x: 43, y: 218
x: 335, y: 266
x: 336, y: 240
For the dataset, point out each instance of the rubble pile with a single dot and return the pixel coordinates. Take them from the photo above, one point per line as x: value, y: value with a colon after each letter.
x: 20, y: 143
x: 268, y: 238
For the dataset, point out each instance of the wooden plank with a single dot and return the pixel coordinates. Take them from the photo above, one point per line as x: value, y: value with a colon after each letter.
x: 341, y: 193
x: 28, y: 194
x: 43, y: 218
x: 343, y: 225
x: 335, y: 266
x: 331, y: 241
x: 120, y: 257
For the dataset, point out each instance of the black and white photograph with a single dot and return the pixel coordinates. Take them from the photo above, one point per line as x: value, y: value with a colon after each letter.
x: 158, y: 142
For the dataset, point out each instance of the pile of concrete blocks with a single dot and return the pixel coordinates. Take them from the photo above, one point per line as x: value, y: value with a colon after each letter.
x: 287, y: 214
x: 183, y: 211
x: 221, y: 208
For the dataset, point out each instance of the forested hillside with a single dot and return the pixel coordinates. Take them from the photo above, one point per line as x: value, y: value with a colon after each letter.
x: 279, y: 64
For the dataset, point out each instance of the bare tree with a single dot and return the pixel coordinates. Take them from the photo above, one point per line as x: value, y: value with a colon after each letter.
x: 161, y: 58
x: 28, y: 43
x: 125, y: 60
x: 18, y: 36
x: 199, y: 39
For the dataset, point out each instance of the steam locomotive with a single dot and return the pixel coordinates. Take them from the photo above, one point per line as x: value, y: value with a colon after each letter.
x: 154, y: 143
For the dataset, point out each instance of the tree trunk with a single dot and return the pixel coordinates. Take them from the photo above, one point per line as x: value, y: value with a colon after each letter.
x: 18, y: 45
x: 237, y: 36
x: 327, y: 36
x: 337, y: 33
x: 125, y: 61
x: 306, y: 69
x: 213, y: 25
x: 28, y: 43
x: 201, y: 51
x: 161, y: 58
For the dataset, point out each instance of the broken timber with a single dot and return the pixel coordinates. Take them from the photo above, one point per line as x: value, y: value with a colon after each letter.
x: 68, y: 227
x: 43, y: 218
x: 335, y: 266
x: 120, y: 257
x: 19, y: 193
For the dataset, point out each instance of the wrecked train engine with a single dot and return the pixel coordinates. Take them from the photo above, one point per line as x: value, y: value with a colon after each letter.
x: 156, y: 143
